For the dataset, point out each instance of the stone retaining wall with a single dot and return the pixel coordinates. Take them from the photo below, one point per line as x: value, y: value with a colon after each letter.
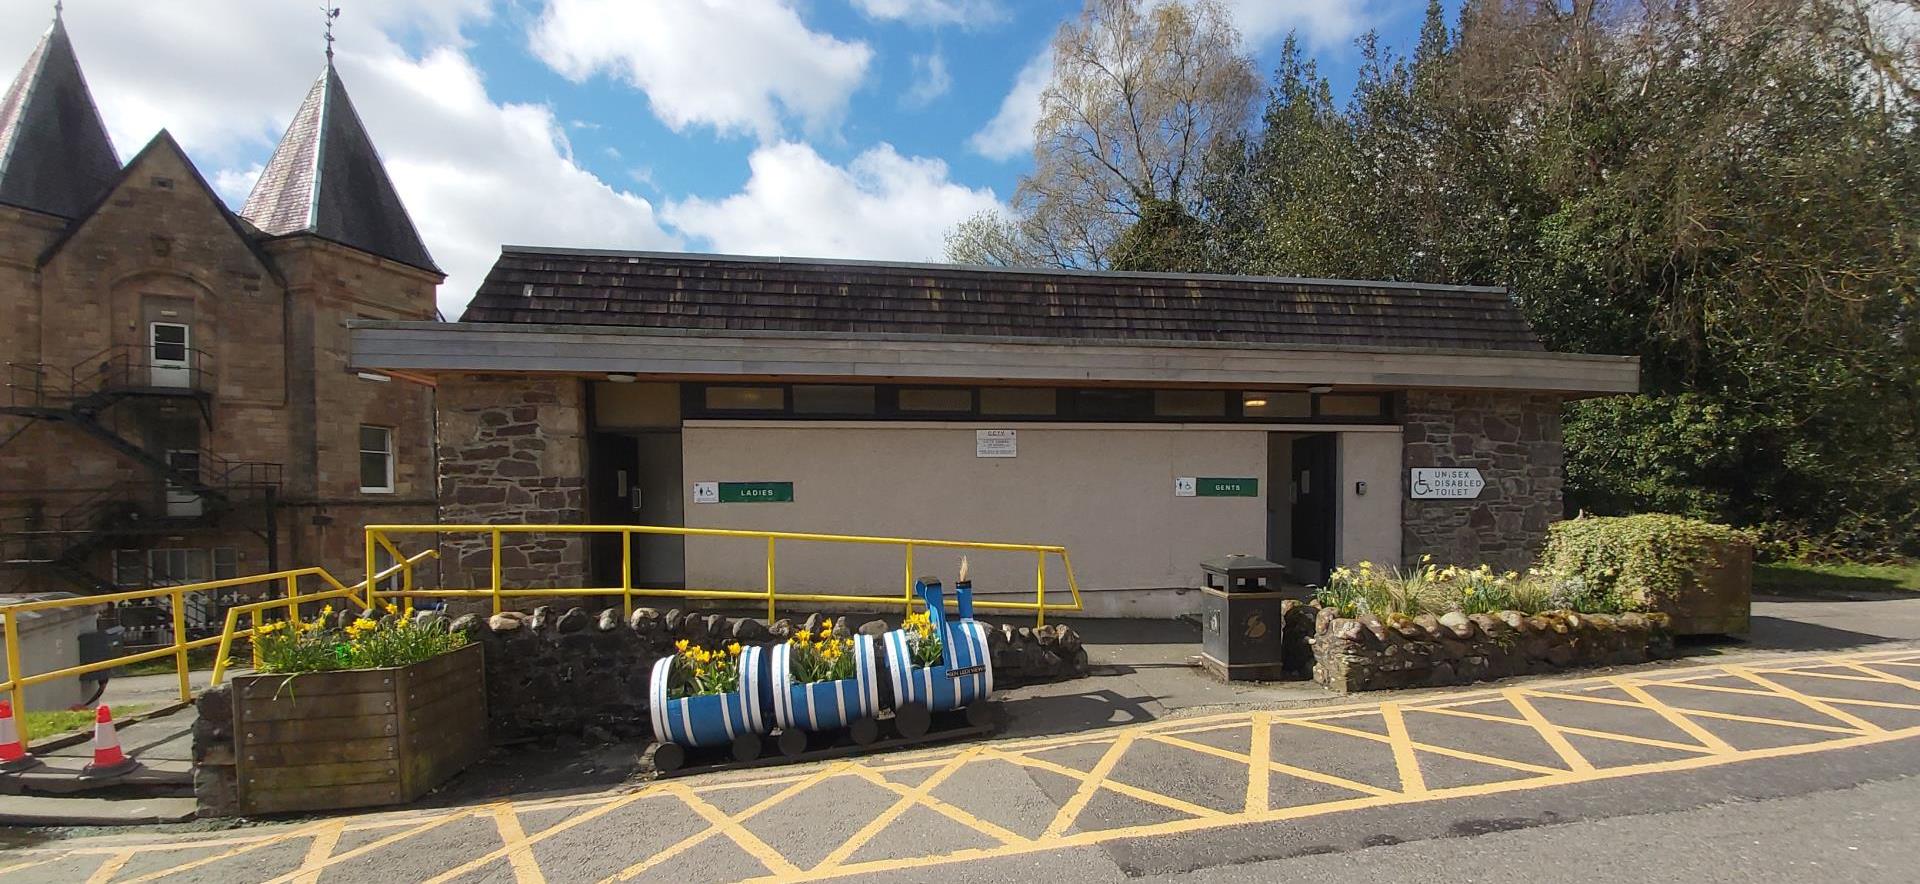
x: 1368, y: 654
x: 1515, y: 441
x: 583, y: 673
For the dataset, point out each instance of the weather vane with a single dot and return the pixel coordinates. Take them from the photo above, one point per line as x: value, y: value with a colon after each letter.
x: 332, y: 12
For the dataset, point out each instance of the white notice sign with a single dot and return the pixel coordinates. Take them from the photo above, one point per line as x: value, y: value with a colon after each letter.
x: 706, y: 492
x: 1186, y: 486
x: 1432, y: 484
x: 996, y: 443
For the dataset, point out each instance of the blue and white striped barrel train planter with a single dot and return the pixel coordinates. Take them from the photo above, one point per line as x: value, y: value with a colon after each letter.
x: 964, y: 676
x: 826, y: 705
x: 736, y: 719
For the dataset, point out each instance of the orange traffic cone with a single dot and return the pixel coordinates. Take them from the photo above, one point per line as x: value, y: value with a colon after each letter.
x: 107, y: 757
x: 13, y: 755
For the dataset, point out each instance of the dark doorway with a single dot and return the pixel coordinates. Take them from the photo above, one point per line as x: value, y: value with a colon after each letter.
x: 1313, y: 511
x: 634, y: 479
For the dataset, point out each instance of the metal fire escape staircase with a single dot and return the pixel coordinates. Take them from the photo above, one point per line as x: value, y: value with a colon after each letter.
x: 62, y: 543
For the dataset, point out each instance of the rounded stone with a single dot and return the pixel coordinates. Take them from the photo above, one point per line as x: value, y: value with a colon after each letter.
x: 502, y: 623
x: 609, y: 620
x: 877, y: 628
x: 574, y: 620
x: 748, y: 630
x: 643, y: 620
x: 466, y: 624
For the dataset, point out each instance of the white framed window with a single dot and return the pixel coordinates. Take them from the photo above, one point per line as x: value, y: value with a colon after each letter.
x: 172, y: 567
x: 376, y: 460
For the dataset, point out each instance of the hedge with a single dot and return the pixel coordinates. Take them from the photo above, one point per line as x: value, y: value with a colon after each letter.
x: 1636, y: 563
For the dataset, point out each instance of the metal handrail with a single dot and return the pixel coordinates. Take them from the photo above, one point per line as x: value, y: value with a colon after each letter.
x: 17, y: 681
x: 377, y: 538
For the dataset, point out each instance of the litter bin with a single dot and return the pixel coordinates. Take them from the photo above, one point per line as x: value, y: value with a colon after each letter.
x: 1240, y: 613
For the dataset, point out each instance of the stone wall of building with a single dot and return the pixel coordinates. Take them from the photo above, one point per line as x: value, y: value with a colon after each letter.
x: 1369, y: 654
x: 513, y: 451
x: 1514, y: 440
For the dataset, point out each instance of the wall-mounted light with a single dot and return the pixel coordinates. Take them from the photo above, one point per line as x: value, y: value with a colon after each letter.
x: 370, y: 376
x: 1254, y: 403
x: 622, y: 378
x: 1322, y: 388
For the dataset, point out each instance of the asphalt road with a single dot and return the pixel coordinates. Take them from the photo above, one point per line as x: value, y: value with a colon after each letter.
x: 1777, y: 769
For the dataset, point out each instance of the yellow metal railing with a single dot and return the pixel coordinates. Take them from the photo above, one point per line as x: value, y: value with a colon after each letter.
x: 17, y: 682
x: 379, y: 538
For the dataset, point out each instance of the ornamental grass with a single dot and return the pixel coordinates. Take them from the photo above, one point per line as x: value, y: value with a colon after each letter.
x: 1432, y: 589
x: 394, y: 639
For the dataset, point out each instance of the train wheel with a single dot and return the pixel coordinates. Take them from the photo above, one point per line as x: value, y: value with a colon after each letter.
x: 913, y: 720
x: 793, y: 742
x: 981, y: 714
x: 746, y: 747
x: 864, y: 731
x: 668, y: 757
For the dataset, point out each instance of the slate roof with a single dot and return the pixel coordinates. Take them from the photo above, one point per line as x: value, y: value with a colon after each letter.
x: 55, y: 156
x: 326, y: 179
x: 735, y: 293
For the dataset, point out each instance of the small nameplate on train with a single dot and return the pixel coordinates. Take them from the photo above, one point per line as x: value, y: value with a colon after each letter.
x: 963, y: 673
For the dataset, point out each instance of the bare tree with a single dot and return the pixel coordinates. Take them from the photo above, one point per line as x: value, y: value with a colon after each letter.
x: 1141, y: 92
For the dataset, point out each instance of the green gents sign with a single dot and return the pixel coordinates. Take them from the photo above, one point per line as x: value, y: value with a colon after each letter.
x: 1205, y: 487
x: 756, y: 492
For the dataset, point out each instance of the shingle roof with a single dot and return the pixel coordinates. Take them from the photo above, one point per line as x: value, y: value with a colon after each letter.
x: 55, y: 156
x: 692, y: 291
x: 326, y: 179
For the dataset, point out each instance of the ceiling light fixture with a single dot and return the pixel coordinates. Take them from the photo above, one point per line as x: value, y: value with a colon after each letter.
x: 1322, y: 388
x: 622, y: 378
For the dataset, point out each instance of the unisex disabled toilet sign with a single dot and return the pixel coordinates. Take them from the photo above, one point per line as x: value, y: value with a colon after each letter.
x: 1448, y: 483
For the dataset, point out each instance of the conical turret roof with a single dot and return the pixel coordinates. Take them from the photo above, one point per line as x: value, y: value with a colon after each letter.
x: 326, y: 179
x: 55, y: 156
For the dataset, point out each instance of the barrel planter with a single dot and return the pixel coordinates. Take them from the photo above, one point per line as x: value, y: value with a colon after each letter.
x: 826, y: 705
x: 357, y: 738
x: 962, y: 679
x: 735, y: 719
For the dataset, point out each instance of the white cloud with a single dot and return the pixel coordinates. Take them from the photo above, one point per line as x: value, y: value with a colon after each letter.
x: 1010, y: 133
x: 734, y: 65
x: 930, y: 80
x: 933, y: 12
x: 1320, y: 22
x: 881, y: 205
x: 473, y: 172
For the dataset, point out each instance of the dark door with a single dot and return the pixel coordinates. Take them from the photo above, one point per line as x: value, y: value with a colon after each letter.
x: 634, y: 479
x: 1313, y: 513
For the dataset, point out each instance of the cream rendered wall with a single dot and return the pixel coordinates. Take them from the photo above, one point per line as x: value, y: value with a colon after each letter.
x: 1369, y: 524
x: 1104, y: 492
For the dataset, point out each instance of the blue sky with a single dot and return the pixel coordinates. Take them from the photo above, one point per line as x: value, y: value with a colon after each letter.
x: 839, y: 128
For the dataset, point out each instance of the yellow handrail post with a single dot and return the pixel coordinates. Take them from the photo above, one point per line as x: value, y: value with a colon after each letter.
x: 769, y: 580
x: 496, y: 570
x: 18, y: 690
x: 226, y: 646
x: 293, y: 607
x: 372, y: 566
x: 253, y: 640
x: 1040, y: 591
x: 626, y: 573
x: 180, y: 643
x: 906, y: 593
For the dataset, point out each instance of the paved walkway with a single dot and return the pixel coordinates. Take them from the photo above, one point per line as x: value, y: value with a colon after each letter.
x: 1031, y: 802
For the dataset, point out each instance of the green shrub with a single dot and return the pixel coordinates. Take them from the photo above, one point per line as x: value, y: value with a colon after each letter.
x: 1632, y: 563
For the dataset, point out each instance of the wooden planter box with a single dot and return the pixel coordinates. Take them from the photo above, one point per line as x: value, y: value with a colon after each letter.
x: 334, y: 740
x: 1719, y: 600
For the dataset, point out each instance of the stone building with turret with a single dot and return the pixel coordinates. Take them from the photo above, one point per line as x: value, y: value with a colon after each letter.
x: 177, y: 403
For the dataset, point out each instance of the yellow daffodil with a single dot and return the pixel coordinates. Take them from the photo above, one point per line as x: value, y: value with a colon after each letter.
x: 734, y: 649
x: 682, y: 645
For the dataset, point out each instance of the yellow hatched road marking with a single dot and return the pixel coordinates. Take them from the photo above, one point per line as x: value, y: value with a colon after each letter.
x: 282, y: 838
x: 1753, y: 692
x: 943, y: 808
x: 365, y: 848
x: 1259, y: 759
x: 1070, y: 812
x: 1879, y: 676
x: 1707, y: 738
x: 317, y: 852
x: 900, y: 806
x: 526, y: 869
x: 1288, y: 769
x: 548, y: 832
x: 1576, y: 731
x: 1109, y: 784
x: 1412, y: 782
x: 691, y: 841
x: 1814, y: 703
x: 1423, y: 747
x: 1548, y: 731
x: 110, y: 868
x: 730, y: 827
x: 17, y: 867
